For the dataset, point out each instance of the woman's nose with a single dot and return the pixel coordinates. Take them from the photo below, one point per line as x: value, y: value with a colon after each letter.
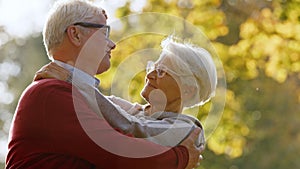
x: 151, y: 75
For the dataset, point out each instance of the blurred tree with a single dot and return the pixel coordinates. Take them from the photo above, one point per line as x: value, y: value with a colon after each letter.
x: 258, y: 44
x: 263, y: 70
x: 20, y: 59
x: 206, y: 17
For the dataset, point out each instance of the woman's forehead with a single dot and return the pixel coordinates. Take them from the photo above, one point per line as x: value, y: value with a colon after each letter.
x: 164, y: 58
x: 167, y: 60
x: 174, y: 63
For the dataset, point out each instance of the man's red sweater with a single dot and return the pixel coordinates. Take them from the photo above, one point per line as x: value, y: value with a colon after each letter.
x: 46, y: 133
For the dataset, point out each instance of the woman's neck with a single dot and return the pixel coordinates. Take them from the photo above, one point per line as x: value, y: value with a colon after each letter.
x: 171, y: 106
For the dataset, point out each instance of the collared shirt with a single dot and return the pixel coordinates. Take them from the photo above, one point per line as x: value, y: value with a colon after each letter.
x: 81, y: 76
x: 85, y: 83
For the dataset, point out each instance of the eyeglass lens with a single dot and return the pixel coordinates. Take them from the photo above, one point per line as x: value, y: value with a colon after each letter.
x: 159, y: 71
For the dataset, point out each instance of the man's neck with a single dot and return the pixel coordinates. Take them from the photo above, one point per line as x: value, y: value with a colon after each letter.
x: 79, y: 75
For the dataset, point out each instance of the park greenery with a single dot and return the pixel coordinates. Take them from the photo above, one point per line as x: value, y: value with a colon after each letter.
x: 258, y: 45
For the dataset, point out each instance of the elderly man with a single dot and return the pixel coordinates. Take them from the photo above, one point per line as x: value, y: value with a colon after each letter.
x: 55, y: 127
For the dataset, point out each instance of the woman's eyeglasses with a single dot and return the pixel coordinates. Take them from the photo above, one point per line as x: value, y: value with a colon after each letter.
x: 161, y: 70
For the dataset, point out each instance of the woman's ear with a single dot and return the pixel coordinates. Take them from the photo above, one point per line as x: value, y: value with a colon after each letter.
x: 74, y: 35
x: 188, y: 91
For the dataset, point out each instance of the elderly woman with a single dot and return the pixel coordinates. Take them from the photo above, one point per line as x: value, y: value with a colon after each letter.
x: 184, y: 76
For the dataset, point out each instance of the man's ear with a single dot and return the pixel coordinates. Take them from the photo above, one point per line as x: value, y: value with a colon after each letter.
x: 188, y: 91
x: 74, y: 35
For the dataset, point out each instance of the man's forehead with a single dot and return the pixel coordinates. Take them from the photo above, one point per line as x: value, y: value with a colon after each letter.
x: 104, y: 13
x: 100, y: 18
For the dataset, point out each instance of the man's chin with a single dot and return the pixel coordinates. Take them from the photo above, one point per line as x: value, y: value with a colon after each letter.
x: 100, y: 72
x: 103, y: 69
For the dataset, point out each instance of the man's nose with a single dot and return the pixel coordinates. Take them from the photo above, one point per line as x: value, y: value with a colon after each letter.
x: 111, y: 44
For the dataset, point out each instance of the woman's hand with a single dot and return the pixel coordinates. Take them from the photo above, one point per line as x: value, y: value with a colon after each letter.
x: 52, y: 70
x: 194, y: 152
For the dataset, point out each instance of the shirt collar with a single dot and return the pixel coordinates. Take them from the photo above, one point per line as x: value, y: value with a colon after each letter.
x: 79, y: 76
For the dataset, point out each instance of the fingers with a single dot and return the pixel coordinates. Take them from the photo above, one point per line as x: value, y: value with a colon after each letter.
x: 195, y: 133
x: 55, y: 67
x: 57, y: 72
x: 52, y: 70
x: 200, y: 157
x: 37, y: 76
x: 194, y: 152
x: 190, y: 140
x: 201, y: 148
x: 42, y: 74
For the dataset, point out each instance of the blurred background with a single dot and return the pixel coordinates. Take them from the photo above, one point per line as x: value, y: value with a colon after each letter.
x: 257, y: 42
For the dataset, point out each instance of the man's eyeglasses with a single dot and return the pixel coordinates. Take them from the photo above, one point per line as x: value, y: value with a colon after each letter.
x: 94, y: 25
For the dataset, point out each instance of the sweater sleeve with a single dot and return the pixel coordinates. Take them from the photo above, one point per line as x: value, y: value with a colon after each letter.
x: 166, y: 128
x: 73, y: 128
x: 130, y: 108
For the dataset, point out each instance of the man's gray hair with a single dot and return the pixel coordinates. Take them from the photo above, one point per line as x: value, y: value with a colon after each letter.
x: 195, y: 68
x: 63, y: 14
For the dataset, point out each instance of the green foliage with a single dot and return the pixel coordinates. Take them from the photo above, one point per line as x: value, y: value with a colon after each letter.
x: 264, y: 59
x: 205, y: 16
x: 259, y: 127
x: 24, y: 58
x: 268, y: 44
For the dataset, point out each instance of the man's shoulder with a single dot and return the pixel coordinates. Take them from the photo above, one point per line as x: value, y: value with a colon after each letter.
x: 45, y: 86
x: 39, y: 91
x: 45, y: 83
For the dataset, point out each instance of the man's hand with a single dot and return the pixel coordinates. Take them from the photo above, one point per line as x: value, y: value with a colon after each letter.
x: 194, y: 152
x: 52, y: 70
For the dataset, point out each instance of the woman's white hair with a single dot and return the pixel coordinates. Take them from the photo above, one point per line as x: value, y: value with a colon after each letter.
x: 63, y: 14
x: 195, y: 68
